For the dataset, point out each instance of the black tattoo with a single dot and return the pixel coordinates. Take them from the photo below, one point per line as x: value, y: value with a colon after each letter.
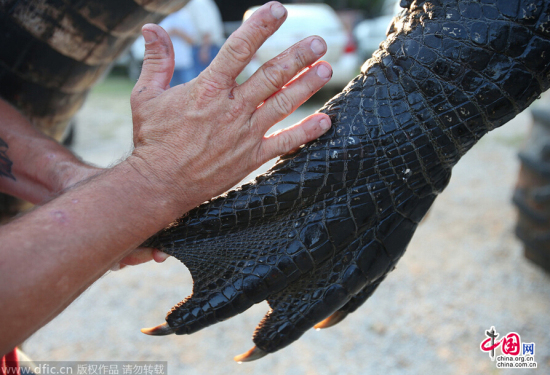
x: 5, y: 162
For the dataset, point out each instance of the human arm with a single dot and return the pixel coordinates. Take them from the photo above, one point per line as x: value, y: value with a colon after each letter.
x: 41, y: 168
x: 191, y: 142
x: 175, y: 32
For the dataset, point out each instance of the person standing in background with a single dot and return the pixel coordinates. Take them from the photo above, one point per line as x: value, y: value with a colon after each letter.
x: 182, y: 31
x: 210, y: 36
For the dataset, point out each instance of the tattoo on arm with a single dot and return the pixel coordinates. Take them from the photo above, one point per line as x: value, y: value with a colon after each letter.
x: 5, y: 162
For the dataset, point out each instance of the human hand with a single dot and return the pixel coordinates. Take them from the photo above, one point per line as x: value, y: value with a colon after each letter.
x: 195, y: 141
x: 204, y: 54
x: 74, y: 172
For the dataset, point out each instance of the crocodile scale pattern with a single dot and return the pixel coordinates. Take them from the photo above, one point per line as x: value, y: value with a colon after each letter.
x: 317, y: 234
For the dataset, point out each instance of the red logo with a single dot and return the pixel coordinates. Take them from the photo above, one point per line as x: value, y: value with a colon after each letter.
x: 515, y: 354
x: 509, y: 344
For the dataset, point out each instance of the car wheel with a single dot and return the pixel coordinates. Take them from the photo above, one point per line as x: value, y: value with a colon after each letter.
x: 532, y: 194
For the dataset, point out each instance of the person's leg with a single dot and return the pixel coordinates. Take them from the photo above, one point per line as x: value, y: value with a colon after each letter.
x: 213, y: 52
x: 187, y: 74
x: 196, y: 61
x: 177, y: 77
x: 199, y: 64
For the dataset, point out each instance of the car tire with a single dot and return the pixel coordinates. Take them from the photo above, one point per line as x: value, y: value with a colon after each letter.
x: 532, y: 193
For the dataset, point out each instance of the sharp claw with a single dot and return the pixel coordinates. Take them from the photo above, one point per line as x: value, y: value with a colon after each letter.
x: 335, y: 318
x: 251, y: 355
x: 160, y: 330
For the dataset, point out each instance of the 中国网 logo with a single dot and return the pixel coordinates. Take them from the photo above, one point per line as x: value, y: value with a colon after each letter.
x: 514, y: 353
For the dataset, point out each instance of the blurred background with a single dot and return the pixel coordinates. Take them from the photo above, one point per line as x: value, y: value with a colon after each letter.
x: 464, y: 270
x: 353, y: 29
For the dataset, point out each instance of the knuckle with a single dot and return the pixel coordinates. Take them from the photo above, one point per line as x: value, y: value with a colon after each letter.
x: 159, y: 54
x: 156, y: 66
x: 306, y: 134
x: 264, y: 153
x: 207, y: 87
x: 287, y: 142
x: 216, y: 77
x: 283, y: 103
x: 312, y: 87
x: 261, y: 25
x: 155, y: 54
x: 242, y: 44
x: 273, y: 76
x: 240, y: 48
x: 301, y: 58
x: 237, y: 109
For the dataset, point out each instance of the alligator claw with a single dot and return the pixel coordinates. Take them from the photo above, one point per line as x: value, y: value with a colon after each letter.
x: 161, y: 330
x: 332, y: 320
x: 318, y: 233
x: 251, y: 355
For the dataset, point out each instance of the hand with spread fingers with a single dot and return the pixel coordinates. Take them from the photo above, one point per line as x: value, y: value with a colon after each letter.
x: 202, y: 137
x: 191, y: 143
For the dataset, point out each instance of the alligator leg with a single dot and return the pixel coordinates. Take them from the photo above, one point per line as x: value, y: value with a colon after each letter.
x: 317, y: 234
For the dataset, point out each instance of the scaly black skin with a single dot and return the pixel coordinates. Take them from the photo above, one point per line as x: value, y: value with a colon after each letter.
x: 318, y: 232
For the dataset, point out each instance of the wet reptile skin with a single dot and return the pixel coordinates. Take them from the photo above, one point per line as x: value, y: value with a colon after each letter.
x: 319, y: 232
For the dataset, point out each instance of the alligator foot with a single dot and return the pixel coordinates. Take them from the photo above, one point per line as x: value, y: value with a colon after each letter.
x: 317, y: 234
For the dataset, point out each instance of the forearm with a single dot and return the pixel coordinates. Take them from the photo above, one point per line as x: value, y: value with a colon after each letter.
x: 50, y: 254
x: 180, y: 34
x: 41, y: 166
x: 206, y: 41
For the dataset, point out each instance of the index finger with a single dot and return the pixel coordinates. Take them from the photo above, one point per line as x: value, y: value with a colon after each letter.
x: 241, y: 46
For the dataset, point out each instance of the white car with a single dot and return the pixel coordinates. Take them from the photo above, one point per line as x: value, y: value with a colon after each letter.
x: 370, y: 33
x: 312, y: 19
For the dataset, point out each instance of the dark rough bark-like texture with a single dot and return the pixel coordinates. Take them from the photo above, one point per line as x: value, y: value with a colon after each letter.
x: 318, y: 232
x: 53, y: 51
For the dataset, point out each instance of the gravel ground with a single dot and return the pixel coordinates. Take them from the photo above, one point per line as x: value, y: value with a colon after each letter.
x: 463, y: 273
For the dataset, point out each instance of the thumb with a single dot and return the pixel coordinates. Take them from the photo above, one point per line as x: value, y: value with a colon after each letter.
x: 158, y: 63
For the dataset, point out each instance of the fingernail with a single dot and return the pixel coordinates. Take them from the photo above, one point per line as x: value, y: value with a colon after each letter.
x: 149, y: 36
x: 116, y: 267
x: 317, y: 47
x: 278, y: 11
x: 159, y: 256
x: 324, y: 124
x: 323, y: 71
